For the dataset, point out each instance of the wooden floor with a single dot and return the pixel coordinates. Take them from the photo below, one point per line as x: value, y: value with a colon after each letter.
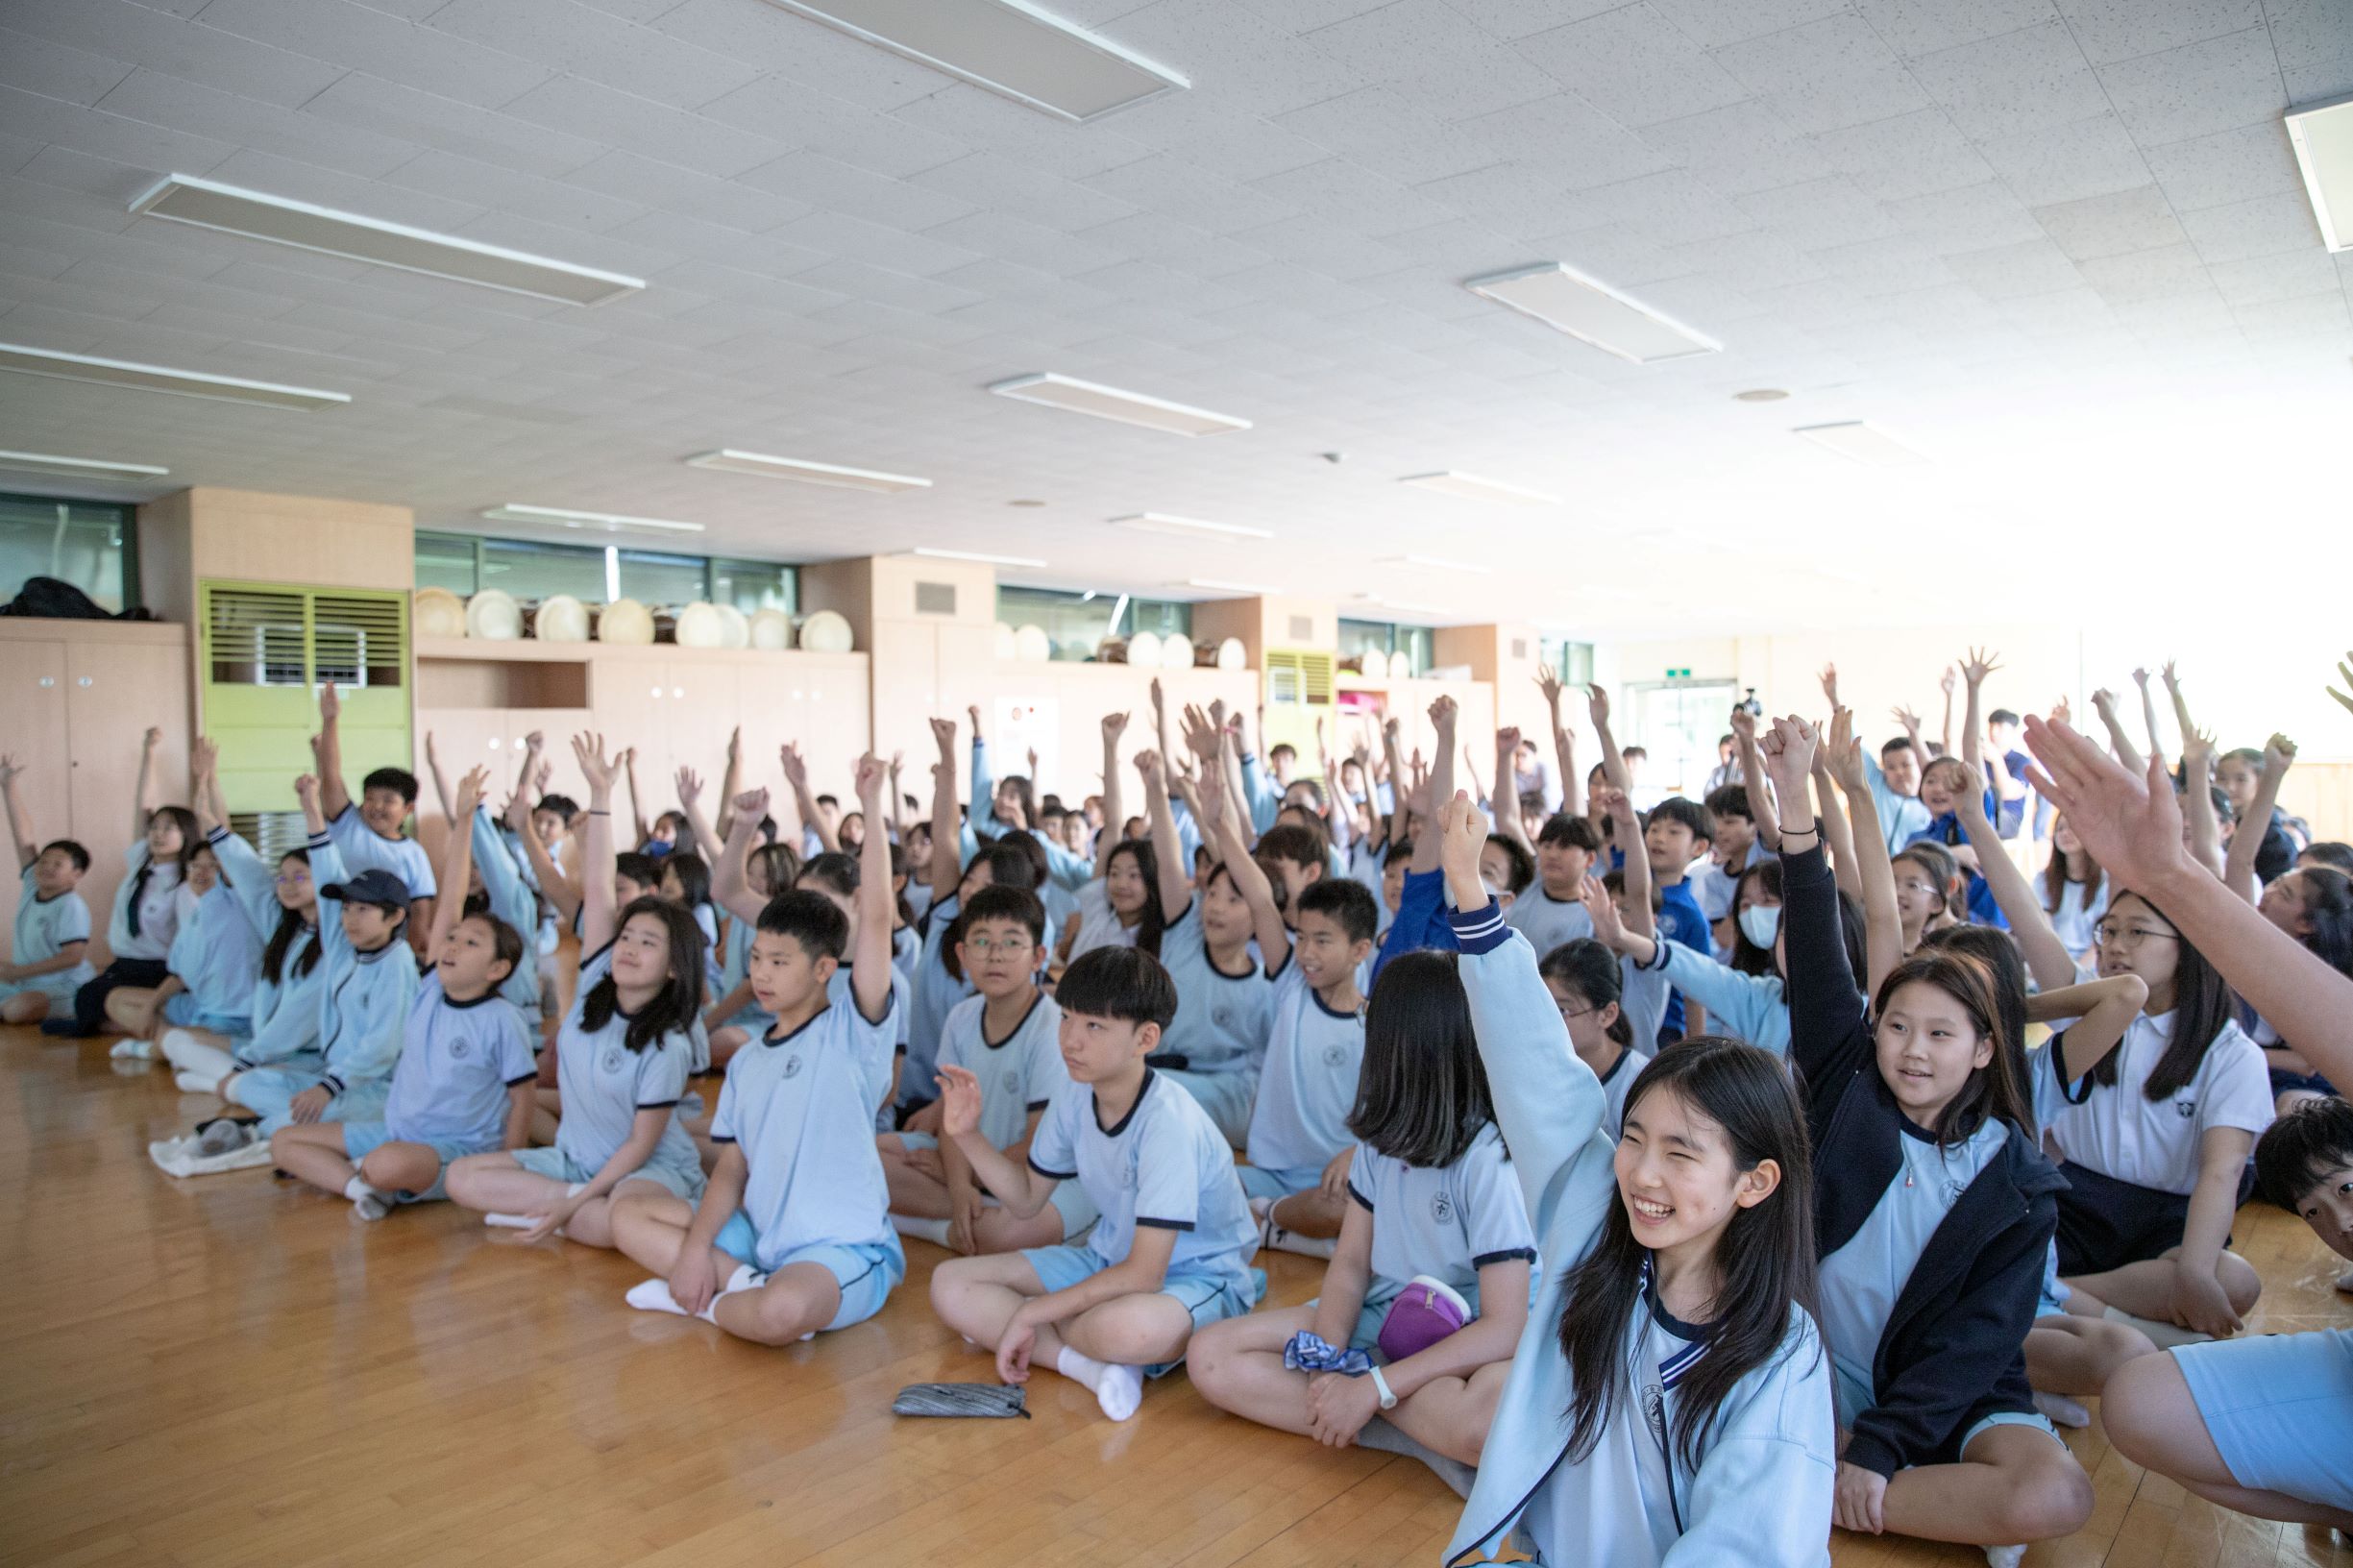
x: 229, y: 1370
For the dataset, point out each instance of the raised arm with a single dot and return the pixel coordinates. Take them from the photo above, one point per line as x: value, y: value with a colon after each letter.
x: 2047, y: 956
x: 1564, y: 743
x: 1883, y: 921
x: 534, y: 749
x: 1837, y: 834
x: 597, y: 855
x: 1175, y: 878
x: 1825, y: 1011
x: 1752, y: 778
x: 2132, y: 827
x: 730, y: 785
x: 1945, y: 731
x: 730, y: 886
x: 205, y: 780
x: 1115, y: 726
x: 797, y: 779
x: 1634, y: 871
x: 1250, y: 881
x: 559, y: 889
x: 143, y: 798
x: 2238, y: 869
x: 1613, y: 761
x: 1400, y: 810
x: 333, y: 799
x: 440, y: 780
x: 898, y: 799
x: 1505, y: 795
x: 1442, y: 717
x: 2197, y: 799
x: 870, y: 967
x: 2103, y: 703
x: 707, y: 843
x: 20, y: 831
x: 2102, y: 1009
x: 457, y: 859
x: 2148, y: 711
x: 640, y: 829
x: 2180, y: 704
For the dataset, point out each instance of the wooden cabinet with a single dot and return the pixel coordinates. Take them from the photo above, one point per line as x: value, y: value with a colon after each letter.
x: 76, y: 698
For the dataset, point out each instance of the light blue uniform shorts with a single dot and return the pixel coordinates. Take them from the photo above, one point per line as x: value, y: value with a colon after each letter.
x: 181, y: 1008
x: 271, y: 1091
x: 1210, y: 1298
x: 2279, y: 1408
x: 554, y: 1164
x: 866, y: 1274
x: 360, y: 1138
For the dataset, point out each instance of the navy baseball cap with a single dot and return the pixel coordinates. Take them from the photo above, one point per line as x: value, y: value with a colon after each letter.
x: 373, y: 886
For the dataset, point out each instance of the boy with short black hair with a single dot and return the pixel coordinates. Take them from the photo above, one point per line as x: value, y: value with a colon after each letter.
x: 1736, y: 848
x: 1678, y: 832
x: 1008, y: 1037
x: 792, y: 1235
x: 49, y: 959
x: 368, y: 832
x: 1170, y: 1253
x: 1551, y: 909
x: 1294, y: 859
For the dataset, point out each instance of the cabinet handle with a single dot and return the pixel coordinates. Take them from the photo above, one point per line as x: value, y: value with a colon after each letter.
x: 85, y: 681
x: 657, y: 691
x: 49, y: 681
x: 494, y: 742
x: 678, y: 691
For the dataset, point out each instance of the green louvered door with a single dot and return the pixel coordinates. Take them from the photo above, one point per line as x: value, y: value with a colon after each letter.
x: 268, y: 648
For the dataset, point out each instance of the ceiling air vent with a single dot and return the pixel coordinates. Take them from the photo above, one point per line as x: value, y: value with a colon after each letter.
x: 1519, y: 647
x: 935, y: 598
x: 1303, y: 628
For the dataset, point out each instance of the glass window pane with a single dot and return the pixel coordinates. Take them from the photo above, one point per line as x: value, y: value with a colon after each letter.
x: 1162, y: 617
x: 1075, y: 623
x: 1572, y: 662
x: 755, y: 585
x: 1420, y: 645
x: 1360, y: 637
x: 661, y: 579
x: 532, y: 572
x: 446, y: 560
x: 81, y: 542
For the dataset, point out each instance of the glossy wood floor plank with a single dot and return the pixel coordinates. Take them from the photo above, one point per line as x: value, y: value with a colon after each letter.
x: 230, y: 1373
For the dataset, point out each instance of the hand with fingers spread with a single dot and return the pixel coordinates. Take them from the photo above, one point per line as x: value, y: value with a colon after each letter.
x: 2132, y: 827
x: 1549, y: 685
x: 588, y: 750
x: 2344, y: 672
x: 690, y: 788
x: 1843, y: 754
x: 470, y: 791
x: 1830, y: 683
x: 1596, y: 706
x: 796, y: 768
x: 1979, y: 664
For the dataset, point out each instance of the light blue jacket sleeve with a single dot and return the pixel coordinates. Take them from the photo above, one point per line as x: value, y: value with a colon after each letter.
x: 369, y: 1050
x: 980, y: 817
x: 1258, y: 788
x: 253, y: 881
x: 326, y: 870
x: 510, y: 894
x: 1748, y: 1006
x: 1764, y: 1490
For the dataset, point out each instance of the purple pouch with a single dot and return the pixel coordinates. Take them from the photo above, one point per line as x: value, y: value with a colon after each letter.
x: 1425, y: 1313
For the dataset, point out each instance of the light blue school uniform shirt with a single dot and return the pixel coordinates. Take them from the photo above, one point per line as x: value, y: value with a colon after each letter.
x: 43, y: 928
x: 161, y: 908
x: 1750, y: 1006
x: 1309, y: 1083
x: 1164, y: 1165
x: 1901, y: 817
x: 798, y: 1106
x: 457, y: 1062
x: 216, y: 956
x: 605, y: 1084
x: 1546, y: 922
x: 1222, y: 1019
x: 878, y: 1053
x: 936, y: 993
x: 1018, y: 1074
x: 363, y: 998
x: 1617, y: 1083
x: 362, y: 846
x: 512, y: 900
x: 286, y: 1011
x: 1862, y: 1280
x: 1642, y: 996
x: 1445, y: 1221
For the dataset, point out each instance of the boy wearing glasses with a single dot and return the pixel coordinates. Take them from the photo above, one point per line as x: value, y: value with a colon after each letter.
x: 1008, y: 1037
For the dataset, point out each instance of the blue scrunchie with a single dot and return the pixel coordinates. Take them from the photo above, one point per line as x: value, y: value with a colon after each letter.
x: 1307, y: 1353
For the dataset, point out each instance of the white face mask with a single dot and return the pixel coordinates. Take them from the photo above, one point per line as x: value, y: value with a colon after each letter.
x: 1760, y: 923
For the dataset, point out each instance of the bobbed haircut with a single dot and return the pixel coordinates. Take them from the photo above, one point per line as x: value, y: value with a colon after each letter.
x: 1347, y: 902
x: 645, y: 870
x: 1422, y: 1093
x: 1293, y: 841
x: 810, y: 919
x: 833, y: 870
x: 1585, y: 967
x: 781, y: 863
x: 2302, y: 1149
x: 1522, y: 864
x: 1764, y: 877
x: 1994, y: 1090
x: 1154, y: 918
x: 1730, y: 800
x: 694, y: 874
x: 1118, y: 983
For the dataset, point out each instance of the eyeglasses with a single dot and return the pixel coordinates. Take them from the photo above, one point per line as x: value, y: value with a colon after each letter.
x: 989, y: 946
x: 2109, y: 934
x: 1567, y: 1012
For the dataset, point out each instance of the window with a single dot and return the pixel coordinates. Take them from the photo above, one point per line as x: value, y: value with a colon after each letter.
x: 1386, y: 638
x: 90, y: 543
x: 1077, y: 623
x: 531, y: 571
x: 1572, y: 662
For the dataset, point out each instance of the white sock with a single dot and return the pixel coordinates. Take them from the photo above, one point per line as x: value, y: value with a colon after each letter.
x: 2065, y: 1411
x: 191, y: 1055
x: 196, y: 1083
x: 933, y: 1231
x: 2164, y: 1336
x: 2004, y: 1556
x: 653, y: 1296
x: 368, y: 1202
x: 510, y: 1222
x: 1119, y: 1389
x: 1272, y: 1234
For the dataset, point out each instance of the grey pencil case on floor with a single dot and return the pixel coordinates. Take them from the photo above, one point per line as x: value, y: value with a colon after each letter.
x: 996, y: 1401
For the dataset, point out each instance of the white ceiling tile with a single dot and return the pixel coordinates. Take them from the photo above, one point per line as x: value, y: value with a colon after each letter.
x: 2091, y: 157
x: 123, y: 31
x: 1245, y: 148
x: 56, y: 71
x: 812, y: 181
x: 599, y: 46
x: 1328, y: 247
x: 1307, y: 15
x: 1458, y: 72
x: 1518, y: 18
x: 484, y: 134
x: 2127, y: 220
x: 2227, y: 166
x: 2266, y: 226
x: 1350, y: 194
x: 1568, y: 143
x: 99, y: 134
x: 586, y: 109
x: 975, y: 117
x: 2292, y: 318
x: 1974, y: 217
x: 786, y: 112
x: 169, y: 99
x: 2008, y: 272
x: 642, y: 181
x: 1004, y: 185
x: 2112, y: 30
x: 1750, y: 261
x: 28, y: 261
x: 1667, y: 209
x: 2168, y: 272
x: 1739, y: 149
x: 2314, y: 39
x: 2075, y: 308
x: 1712, y: 22
x: 2261, y: 279
x: 366, y: 38
x: 770, y: 38
x: 2029, y: 80
x: 1634, y: 65
x: 1886, y: 266
x: 1823, y: 75
x: 1241, y: 55
x: 1173, y: 184
x: 1921, y: 27
x: 2198, y: 88
x: 1820, y: 214
x: 1910, y: 155
x: 1031, y: 244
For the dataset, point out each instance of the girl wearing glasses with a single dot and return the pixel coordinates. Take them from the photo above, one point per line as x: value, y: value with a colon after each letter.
x: 2155, y: 1135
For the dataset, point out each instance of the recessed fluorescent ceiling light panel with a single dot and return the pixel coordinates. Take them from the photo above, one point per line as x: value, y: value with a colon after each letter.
x: 231, y: 210
x: 2324, y: 139
x: 1450, y: 482
x: 978, y: 555
x: 1435, y: 563
x: 79, y: 468
x: 1111, y: 402
x: 1861, y: 442
x: 728, y: 460
x: 1188, y: 527
x: 558, y: 517
x: 1399, y: 605
x: 1008, y: 46
x: 1593, y: 313
x: 187, y: 384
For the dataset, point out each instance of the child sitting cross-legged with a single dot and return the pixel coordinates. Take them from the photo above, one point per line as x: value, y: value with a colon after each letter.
x: 1008, y: 1037
x: 463, y: 1082
x: 1428, y: 1289
x: 1169, y: 1255
x: 792, y: 1235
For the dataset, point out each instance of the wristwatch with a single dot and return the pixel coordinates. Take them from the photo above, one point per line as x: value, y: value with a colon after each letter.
x: 1380, y: 1385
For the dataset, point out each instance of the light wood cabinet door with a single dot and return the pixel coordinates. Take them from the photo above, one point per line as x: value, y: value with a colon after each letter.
x: 113, y: 693
x: 32, y: 731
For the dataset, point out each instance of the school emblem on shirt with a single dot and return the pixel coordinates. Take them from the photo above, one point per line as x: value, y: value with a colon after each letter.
x: 1222, y: 1018
x: 1442, y: 1207
x: 791, y: 1066
x: 611, y: 1060
x: 1012, y: 1081
x: 457, y: 1050
x: 2185, y: 1109
x: 1127, y: 1174
x: 1334, y: 1054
